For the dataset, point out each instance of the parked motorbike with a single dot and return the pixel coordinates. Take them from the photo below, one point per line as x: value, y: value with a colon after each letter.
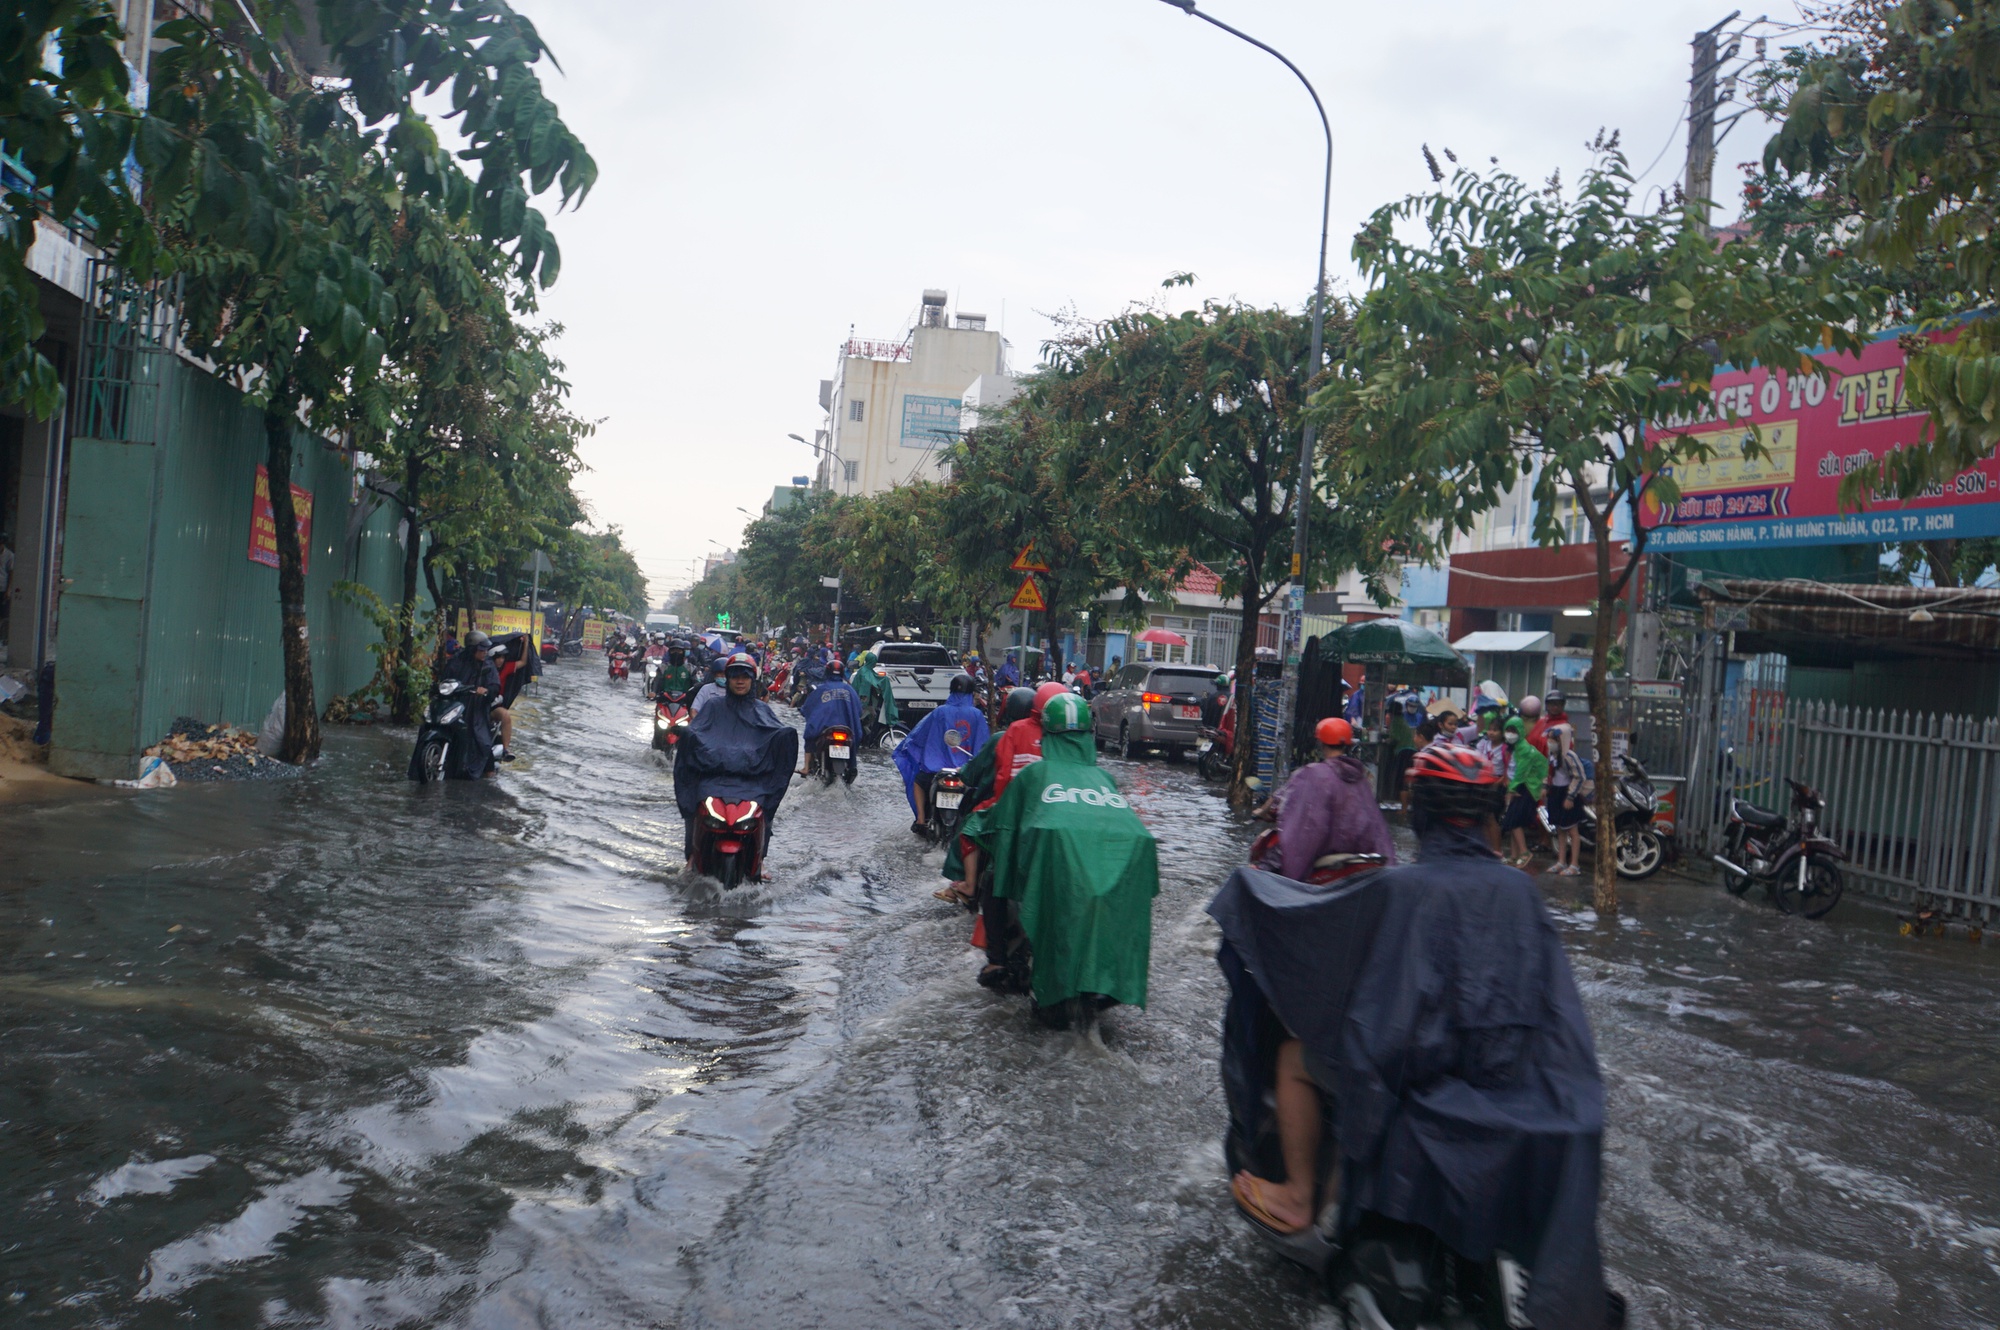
x: 945, y: 797
x: 1639, y: 846
x: 620, y: 666
x: 1796, y: 865
x: 671, y: 718
x: 445, y: 739
x: 551, y: 651
x: 833, y: 755
x: 874, y: 734
x: 729, y: 840
x: 1213, y: 753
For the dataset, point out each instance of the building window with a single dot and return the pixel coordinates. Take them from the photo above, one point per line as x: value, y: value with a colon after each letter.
x: 854, y: 409
x: 850, y: 471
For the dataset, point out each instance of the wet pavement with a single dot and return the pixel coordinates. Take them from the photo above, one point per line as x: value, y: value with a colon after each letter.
x: 345, y: 1051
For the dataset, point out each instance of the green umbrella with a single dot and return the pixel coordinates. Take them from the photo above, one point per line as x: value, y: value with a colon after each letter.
x: 1411, y: 652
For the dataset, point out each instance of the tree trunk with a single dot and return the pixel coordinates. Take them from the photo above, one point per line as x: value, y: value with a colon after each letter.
x: 402, y: 705
x: 1242, y: 763
x: 469, y: 603
x: 301, y: 742
x: 1604, y: 862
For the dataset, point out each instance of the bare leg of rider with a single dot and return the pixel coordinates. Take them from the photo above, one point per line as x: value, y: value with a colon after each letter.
x: 506, y: 719
x: 1298, y: 1112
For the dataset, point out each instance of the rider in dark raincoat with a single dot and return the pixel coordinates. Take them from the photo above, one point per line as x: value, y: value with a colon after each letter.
x: 736, y: 748
x: 1436, y: 1009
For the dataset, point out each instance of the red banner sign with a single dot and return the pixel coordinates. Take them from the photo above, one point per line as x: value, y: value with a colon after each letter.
x: 264, y: 525
x: 1804, y: 435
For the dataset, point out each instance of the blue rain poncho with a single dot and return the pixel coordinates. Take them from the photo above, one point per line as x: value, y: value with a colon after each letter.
x: 948, y: 737
x: 737, y: 748
x: 831, y: 702
x: 1466, y: 1094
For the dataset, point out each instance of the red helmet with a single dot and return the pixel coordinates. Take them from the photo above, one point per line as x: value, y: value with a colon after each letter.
x: 1045, y: 692
x: 1452, y: 762
x: 1334, y: 732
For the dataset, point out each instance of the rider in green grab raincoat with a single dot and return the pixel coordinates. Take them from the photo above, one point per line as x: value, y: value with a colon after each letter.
x: 877, y: 698
x: 1079, y: 865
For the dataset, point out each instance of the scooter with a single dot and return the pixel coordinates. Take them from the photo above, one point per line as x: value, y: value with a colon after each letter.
x: 620, y: 666
x: 1797, y: 866
x: 1213, y: 753
x: 1266, y: 853
x: 1640, y: 847
x: 945, y: 797
x: 729, y: 840
x: 833, y: 754
x: 445, y: 739
x: 670, y: 721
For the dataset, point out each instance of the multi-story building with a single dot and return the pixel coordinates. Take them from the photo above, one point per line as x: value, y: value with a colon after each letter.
x: 894, y: 408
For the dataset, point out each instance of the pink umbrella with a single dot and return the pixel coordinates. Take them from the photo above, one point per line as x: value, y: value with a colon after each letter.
x: 1161, y: 637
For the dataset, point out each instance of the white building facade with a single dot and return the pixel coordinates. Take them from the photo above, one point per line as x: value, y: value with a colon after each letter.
x: 895, y: 408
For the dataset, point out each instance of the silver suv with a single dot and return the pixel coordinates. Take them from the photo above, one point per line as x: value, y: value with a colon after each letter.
x: 1152, y: 706
x: 919, y: 675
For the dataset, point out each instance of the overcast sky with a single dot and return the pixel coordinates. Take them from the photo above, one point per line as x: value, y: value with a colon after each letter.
x: 773, y: 173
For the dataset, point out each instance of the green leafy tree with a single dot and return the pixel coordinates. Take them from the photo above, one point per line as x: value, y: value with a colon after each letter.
x: 1187, y: 427
x: 1542, y: 337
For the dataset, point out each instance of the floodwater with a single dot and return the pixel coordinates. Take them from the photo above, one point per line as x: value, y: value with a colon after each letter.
x: 344, y: 1051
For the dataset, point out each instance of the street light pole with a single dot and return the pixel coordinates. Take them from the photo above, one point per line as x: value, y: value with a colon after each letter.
x: 1288, y: 698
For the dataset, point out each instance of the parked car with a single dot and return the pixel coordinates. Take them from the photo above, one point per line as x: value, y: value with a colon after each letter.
x: 1152, y: 706
x: 919, y: 675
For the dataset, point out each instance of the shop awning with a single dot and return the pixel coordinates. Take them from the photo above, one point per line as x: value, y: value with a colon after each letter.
x: 1492, y: 643
x: 1824, y: 618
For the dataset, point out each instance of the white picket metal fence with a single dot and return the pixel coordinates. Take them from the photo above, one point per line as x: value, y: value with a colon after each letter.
x: 1913, y: 797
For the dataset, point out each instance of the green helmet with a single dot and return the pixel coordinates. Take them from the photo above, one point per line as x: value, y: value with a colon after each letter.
x: 1065, y: 713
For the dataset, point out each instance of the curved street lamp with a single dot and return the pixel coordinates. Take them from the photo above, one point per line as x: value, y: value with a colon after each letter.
x: 1295, y: 610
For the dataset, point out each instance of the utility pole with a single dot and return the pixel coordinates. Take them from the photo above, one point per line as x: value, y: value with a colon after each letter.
x: 1698, y: 181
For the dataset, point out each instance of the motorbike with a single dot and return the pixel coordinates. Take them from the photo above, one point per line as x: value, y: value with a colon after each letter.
x: 874, y: 734
x: 446, y: 736
x: 1326, y: 870
x: 1213, y: 753
x: 833, y: 754
x: 652, y: 667
x: 670, y: 720
x: 945, y: 797
x: 1797, y: 866
x: 551, y: 652
x: 729, y: 840
x: 1640, y: 848
x: 620, y: 666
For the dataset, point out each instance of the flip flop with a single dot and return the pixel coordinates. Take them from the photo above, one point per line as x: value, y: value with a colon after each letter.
x: 1248, y: 1189
x: 953, y: 896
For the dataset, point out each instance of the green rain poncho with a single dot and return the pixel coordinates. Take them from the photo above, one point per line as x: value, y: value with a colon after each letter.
x: 1081, y: 868
x: 877, y: 698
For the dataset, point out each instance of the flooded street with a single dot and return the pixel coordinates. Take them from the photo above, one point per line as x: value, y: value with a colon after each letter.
x: 346, y: 1051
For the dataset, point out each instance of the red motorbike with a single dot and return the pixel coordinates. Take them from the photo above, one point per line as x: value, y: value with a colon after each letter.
x: 670, y: 721
x: 621, y: 665
x: 1327, y: 869
x: 729, y: 841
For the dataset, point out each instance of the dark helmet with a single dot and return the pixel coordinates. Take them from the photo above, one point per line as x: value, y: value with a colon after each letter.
x: 476, y: 639
x: 717, y: 666
x: 1453, y: 783
x: 834, y: 669
x: 962, y: 683
x: 676, y: 652
x: 1020, y: 705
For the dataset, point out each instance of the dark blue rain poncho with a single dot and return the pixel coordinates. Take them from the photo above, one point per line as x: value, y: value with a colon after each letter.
x: 736, y: 748
x: 1467, y: 1096
x: 831, y: 702
x: 948, y: 737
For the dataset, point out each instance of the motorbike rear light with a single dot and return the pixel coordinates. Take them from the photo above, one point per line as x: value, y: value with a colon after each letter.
x: 837, y: 736
x: 1150, y: 698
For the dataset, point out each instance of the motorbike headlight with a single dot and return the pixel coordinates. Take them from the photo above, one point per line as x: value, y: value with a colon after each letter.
x: 452, y: 713
x: 661, y: 722
x: 447, y: 688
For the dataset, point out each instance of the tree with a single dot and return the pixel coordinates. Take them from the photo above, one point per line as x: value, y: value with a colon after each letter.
x: 1892, y: 127
x: 1559, y: 340
x: 277, y: 225
x: 1188, y: 427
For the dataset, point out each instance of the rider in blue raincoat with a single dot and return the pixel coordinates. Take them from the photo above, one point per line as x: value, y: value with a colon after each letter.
x: 948, y: 737
x: 832, y: 701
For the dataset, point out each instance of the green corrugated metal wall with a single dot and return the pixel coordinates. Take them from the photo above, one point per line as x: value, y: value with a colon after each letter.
x: 204, y: 639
